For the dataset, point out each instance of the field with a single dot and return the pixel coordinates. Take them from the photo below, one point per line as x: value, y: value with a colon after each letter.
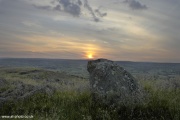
x: 59, y: 89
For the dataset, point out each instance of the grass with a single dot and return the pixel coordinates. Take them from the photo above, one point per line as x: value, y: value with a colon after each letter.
x: 13, y: 75
x: 162, y: 105
x: 37, y: 76
x: 61, y: 105
x: 3, y: 89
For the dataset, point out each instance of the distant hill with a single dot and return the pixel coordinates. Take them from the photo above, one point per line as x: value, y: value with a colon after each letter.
x: 78, y: 67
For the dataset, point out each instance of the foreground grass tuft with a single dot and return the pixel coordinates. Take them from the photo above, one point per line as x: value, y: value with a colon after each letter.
x: 79, y: 106
x: 162, y: 105
x: 60, y: 105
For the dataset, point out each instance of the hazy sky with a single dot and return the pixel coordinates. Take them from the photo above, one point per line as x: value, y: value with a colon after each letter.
x: 133, y: 30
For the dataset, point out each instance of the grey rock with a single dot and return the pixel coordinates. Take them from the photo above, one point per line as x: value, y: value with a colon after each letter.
x: 45, y: 89
x: 16, y: 90
x: 3, y: 82
x: 19, y: 91
x: 112, y: 85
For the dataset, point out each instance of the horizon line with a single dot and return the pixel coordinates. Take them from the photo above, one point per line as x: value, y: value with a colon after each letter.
x: 93, y: 59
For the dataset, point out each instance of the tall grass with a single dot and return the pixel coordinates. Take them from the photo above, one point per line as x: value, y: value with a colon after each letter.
x: 60, y: 105
x: 162, y: 105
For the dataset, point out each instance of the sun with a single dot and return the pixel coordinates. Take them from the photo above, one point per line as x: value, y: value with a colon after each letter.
x: 90, y: 56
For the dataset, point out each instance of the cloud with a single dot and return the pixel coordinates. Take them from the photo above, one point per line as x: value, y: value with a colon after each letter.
x: 79, y: 2
x: 57, y: 7
x: 135, y: 5
x: 86, y: 5
x: 73, y: 7
x: 100, y: 13
x: 43, y: 7
x: 67, y: 6
x: 31, y: 24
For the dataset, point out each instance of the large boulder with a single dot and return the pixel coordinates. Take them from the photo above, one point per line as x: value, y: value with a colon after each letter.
x: 112, y: 85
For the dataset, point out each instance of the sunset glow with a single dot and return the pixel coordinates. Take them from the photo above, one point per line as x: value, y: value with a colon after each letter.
x: 90, y: 56
x: 133, y: 30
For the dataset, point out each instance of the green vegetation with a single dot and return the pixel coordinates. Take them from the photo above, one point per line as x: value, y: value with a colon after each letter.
x: 16, y: 74
x: 61, y: 105
x: 37, y: 77
x: 162, y: 105
x: 3, y: 89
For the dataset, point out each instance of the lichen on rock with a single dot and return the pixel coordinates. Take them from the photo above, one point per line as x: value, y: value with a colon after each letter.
x: 112, y: 85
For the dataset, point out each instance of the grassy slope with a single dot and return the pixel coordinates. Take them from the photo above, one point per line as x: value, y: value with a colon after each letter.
x: 163, y: 104
x: 37, y: 76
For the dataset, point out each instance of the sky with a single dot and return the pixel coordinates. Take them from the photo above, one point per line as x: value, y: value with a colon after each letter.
x: 123, y: 30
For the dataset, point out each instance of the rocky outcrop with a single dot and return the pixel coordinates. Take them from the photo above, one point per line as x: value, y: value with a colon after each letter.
x: 18, y: 90
x: 112, y: 85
